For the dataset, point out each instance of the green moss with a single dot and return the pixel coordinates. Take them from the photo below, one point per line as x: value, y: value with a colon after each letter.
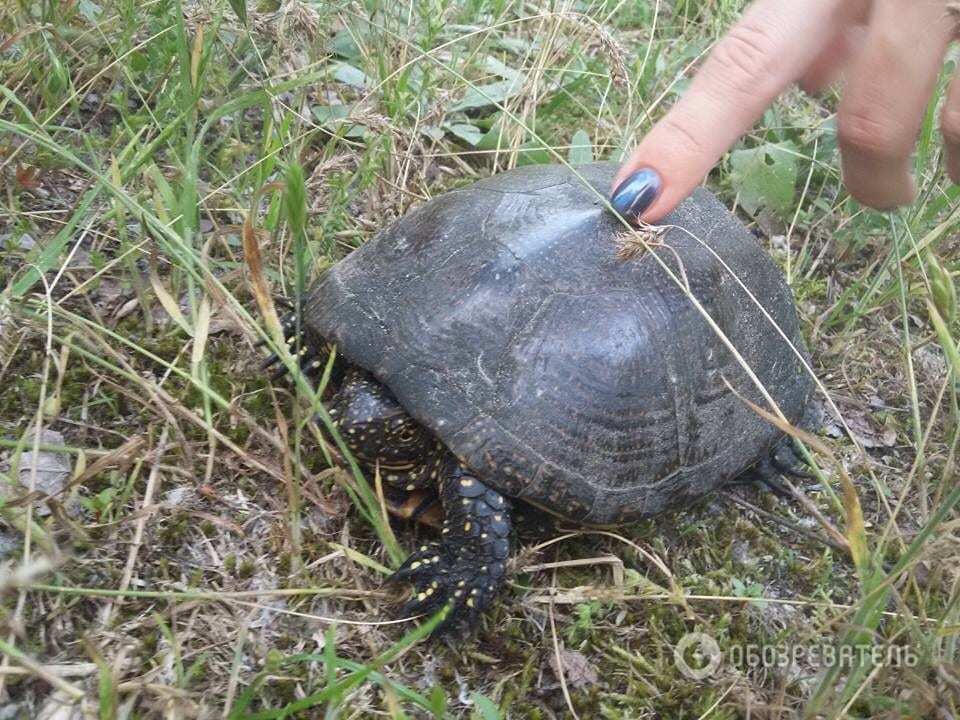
x: 247, y: 568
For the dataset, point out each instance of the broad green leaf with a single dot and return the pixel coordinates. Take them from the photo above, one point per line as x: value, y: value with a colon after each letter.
x: 491, y: 64
x: 516, y: 45
x: 533, y: 153
x: 438, y: 702
x: 485, y: 708
x: 581, y: 149
x: 326, y: 113
x: 432, y: 132
x: 352, y: 76
x: 470, y: 134
x: 495, y: 138
x: 765, y: 177
x: 329, y: 116
x: 239, y: 8
x: 90, y: 10
x: 479, y: 96
x: 344, y: 44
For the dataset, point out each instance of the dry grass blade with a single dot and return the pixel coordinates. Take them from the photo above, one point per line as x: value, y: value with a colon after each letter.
x: 615, y: 563
x: 258, y: 282
x: 856, y: 537
x: 40, y: 671
x: 558, y: 659
x: 153, y: 482
x: 22, y: 575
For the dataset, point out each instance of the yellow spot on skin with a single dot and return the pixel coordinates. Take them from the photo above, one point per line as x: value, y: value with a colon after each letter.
x: 429, y: 591
x: 498, y: 517
x: 414, y: 565
x: 461, y: 583
x: 467, y: 526
x: 421, y: 597
x: 466, y: 482
x: 457, y: 593
x: 470, y: 602
x: 410, y: 487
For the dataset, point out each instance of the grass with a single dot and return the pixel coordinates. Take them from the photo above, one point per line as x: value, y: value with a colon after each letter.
x: 167, y: 169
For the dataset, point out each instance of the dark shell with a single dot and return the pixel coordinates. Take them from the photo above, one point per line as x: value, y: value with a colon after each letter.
x: 502, y: 318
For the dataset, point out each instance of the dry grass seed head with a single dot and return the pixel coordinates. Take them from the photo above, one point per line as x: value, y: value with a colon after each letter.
x: 632, y: 244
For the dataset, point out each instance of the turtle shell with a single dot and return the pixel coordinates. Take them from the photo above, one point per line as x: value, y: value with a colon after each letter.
x: 503, y: 317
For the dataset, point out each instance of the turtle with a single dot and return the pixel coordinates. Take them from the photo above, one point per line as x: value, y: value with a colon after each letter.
x: 498, y: 347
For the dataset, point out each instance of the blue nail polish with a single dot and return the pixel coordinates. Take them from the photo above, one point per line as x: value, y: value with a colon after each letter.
x: 636, y: 193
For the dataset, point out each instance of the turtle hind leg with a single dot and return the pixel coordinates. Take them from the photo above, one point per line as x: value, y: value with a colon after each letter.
x: 467, y: 567
x: 787, y: 461
x: 782, y: 460
x: 766, y: 474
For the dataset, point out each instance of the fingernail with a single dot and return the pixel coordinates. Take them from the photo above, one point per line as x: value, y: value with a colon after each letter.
x: 635, y: 194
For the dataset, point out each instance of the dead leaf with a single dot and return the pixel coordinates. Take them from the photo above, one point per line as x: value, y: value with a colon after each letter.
x: 577, y: 669
x: 166, y: 299
x: 28, y: 177
x: 53, y: 468
x: 862, y: 421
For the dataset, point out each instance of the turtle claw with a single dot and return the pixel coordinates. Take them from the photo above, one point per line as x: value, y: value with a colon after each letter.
x: 786, y: 460
x: 307, y: 348
x: 468, y: 566
x: 438, y: 581
x: 769, y: 472
x: 420, y: 564
x: 308, y: 365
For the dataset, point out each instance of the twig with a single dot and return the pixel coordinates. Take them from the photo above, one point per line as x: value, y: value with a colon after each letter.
x: 556, y: 651
x: 39, y: 670
x: 810, y: 507
x: 793, y: 527
x: 152, y: 483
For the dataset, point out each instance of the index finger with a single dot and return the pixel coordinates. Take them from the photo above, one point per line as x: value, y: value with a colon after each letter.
x: 764, y: 53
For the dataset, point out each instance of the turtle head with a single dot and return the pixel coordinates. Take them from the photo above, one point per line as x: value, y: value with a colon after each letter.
x: 377, y: 429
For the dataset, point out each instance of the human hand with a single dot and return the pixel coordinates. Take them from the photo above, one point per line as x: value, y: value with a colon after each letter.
x: 890, y: 53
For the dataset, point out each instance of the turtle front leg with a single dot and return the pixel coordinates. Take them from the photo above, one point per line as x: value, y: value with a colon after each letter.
x: 310, y: 349
x: 468, y: 565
